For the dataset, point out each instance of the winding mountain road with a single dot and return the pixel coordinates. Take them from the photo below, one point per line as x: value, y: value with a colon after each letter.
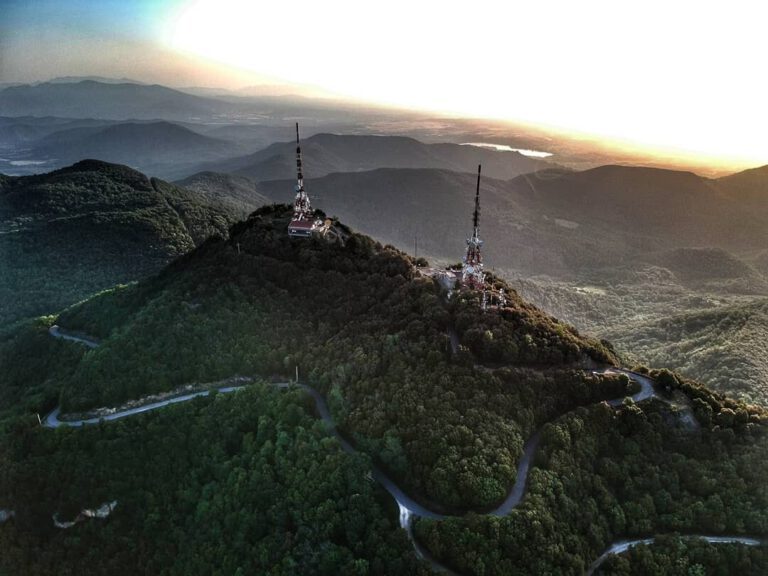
x: 57, y: 332
x: 409, y: 508
x: 52, y: 419
x: 624, y: 545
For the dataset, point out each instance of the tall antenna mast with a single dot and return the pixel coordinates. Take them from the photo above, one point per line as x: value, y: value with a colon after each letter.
x: 299, y: 170
x: 476, y: 216
x: 303, y: 222
x: 472, y: 275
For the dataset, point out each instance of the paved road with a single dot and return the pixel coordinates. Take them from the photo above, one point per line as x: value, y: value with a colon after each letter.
x: 52, y: 419
x: 409, y: 508
x: 56, y: 332
x: 624, y: 545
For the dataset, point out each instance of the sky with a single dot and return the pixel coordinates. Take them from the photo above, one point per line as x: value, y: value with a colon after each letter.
x: 687, y: 77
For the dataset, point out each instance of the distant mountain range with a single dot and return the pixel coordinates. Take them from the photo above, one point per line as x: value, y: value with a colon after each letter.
x: 111, y: 99
x: 22, y: 131
x: 92, y: 99
x: 78, y: 230
x: 122, y: 99
x: 174, y: 150
x: 102, y: 79
x: 598, y: 221
x: 328, y: 153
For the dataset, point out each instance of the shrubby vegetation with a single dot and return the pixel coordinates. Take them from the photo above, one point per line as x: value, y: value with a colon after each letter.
x: 243, y: 483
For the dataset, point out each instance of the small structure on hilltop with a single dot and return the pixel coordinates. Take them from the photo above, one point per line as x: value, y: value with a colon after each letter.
x: 303, y: 221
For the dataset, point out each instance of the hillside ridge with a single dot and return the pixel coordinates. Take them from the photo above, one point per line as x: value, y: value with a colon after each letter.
x: 89, y: 226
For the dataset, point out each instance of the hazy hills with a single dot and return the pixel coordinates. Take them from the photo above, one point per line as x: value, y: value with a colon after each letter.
x: 176, y: 150
x: 122, y: 99
x: 552, y: 222
x: 170, y: 150
x: 748, y: 185
x: 158, y: 148
x: 22, y: 130
x: 92, y: 99
x: 328, y: 153
x: 649, y: 201
x: 84, y: 228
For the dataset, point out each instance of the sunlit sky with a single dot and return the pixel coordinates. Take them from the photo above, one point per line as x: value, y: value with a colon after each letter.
x: 673, y: 74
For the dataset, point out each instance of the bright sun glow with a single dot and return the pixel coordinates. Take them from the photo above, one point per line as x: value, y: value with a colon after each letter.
x: 684, y: 76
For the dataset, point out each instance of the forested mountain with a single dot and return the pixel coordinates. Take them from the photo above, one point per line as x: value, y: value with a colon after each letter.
x: 239, y: 194
x: 327, y: 153
x: 163, y: 149
x: 374, y: 335
x: 72, y: 232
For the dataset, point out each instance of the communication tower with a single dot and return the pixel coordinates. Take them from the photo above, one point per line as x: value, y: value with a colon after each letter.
x: 472, y: 275
x: 303, y: 222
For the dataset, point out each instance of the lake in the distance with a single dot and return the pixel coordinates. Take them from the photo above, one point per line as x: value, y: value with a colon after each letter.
x: 505, y: 148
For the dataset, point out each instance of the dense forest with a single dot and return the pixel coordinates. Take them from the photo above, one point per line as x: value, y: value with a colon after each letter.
x: 32, y: 367
x: 248, y: 483
x: 373, y: 334
x: 72, y: 232
x: 602, y: 475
